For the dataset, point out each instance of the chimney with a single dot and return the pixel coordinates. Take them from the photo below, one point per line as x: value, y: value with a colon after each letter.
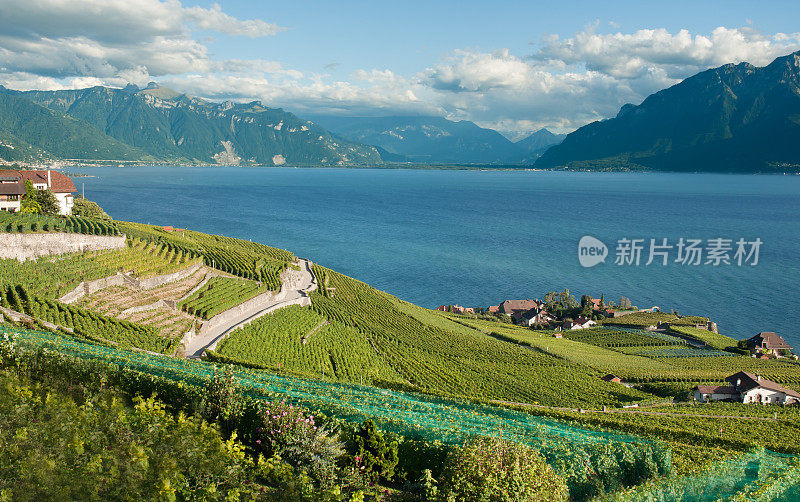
x: 738, y: 382
x: 758, y: 378
x: 49, y: 181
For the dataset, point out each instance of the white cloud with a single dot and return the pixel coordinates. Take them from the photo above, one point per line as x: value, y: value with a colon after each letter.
x: 566, y: 83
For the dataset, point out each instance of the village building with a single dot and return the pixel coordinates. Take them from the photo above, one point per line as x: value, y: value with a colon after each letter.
x: 58, y: 183
x: 611, y: 378
x: 768, y: 343
x: 747, y: 388
x: 535, y: 316
x: 12, y: 189
x: 579, y: 323
x: 517, y: 308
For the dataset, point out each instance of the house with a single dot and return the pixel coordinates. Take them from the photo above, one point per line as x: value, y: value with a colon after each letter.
x: 535, y: 316
x: 557, y: 335
x: 494, y: 309
x: 442, y: 308
x: 58, y: 183
x: 584, y: 322
x: 12, y: 188
x: 611, y: 378
x: 747, y: 388
x: 469, y: 310
x: 457, y: 309
x: 516, y: 308
x: 767, y: 342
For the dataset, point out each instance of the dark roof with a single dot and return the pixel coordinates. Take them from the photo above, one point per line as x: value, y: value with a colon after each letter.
x: 769, y: 340
x: 717, y: 389
x: 610, y: 377
x: 582, y: 320
x: 16, y: 187
x: 516, y: 308
x: 60, y: 183
x: 750, y: 381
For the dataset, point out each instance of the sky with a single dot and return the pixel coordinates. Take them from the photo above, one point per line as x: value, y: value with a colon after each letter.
x: 511, y: 66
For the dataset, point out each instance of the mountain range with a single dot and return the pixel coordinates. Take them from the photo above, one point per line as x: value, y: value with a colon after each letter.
x: 158, y: 124
x: 430, y: 140
x: 735, y: 118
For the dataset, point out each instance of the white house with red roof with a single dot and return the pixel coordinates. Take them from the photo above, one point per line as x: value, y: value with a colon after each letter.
x: 747, y: 388
x: 58, y: 183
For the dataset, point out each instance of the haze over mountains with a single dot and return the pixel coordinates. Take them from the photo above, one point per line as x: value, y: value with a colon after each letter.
x: 437, y: 140
x: 735, y: 118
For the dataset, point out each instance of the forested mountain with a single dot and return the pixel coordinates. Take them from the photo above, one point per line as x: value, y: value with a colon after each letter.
x: 735, y: 118
x: 538, y: 142
x: 162, y: 124
x: 427, y: 139
x: 32, y: 132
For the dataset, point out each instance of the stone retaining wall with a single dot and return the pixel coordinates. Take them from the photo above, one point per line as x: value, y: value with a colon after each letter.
x: 31, y: 246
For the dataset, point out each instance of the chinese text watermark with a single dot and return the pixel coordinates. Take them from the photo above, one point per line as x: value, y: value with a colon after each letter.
x: 716, y: 252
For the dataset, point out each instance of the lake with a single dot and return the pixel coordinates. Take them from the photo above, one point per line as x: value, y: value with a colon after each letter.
x: 476, y: 238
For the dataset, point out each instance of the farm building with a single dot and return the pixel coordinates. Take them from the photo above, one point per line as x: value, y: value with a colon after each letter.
x: 747, y: 388
x: 767, y: 343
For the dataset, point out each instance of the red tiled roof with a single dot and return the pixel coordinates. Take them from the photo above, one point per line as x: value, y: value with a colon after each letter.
x: 60, y: 183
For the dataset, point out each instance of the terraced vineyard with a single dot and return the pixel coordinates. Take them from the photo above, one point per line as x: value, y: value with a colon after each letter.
x: 249, y: 260
x: 29, y: 223
x: 220, y: 294
x: 53, y: 276
x: 86, y: 324
x: 438, y: 355
x: 612, y: 338
x: 644, y: 363
x: 298, y: 340
x: 713, y: 340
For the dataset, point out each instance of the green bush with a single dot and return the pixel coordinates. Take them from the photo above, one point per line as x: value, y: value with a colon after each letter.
x: 497, y: 470
x: 372, y: 455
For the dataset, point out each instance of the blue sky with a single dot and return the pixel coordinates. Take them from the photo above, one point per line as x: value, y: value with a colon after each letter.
x: 512, y: 66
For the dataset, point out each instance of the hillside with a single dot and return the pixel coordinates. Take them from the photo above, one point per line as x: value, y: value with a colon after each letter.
x: 735, y: 118
x: 427, y: 139
x: 29, y: 131
x: 159, y: 123
x: 356, y: 353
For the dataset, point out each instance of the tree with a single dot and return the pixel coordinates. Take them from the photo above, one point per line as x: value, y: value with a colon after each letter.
x: 29, y: 203
x: 86, y: 208
x: 48, y: 202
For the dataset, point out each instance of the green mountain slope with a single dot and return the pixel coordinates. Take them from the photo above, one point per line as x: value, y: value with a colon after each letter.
x: 176, y: 127
x: 29, y: 131
x: 735, y: 118
x: 427, y: 139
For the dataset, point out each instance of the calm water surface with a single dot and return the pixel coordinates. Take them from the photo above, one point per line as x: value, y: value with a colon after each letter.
x: 479, y: 237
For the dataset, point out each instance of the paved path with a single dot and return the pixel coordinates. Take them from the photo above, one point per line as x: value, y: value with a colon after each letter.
x: 294, y: 291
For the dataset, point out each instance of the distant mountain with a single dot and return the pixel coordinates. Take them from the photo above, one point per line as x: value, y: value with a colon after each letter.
x: 29, y: 131
x: 159, y: 123
x: 539, y: 141
x: 427, y: 139
x: 735, y: 118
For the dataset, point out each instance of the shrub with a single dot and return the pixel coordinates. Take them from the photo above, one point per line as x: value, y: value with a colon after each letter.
x: 287, y: 432
x: 497, y: 470
x: 369, y: 451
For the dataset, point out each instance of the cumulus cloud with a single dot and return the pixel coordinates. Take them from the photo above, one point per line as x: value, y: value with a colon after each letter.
x: 567, y: 82
x: 678, y: 55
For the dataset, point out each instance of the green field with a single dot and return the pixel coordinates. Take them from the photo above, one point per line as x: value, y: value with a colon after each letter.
x: 713, y: 340
x: 249, y: 260
x: 220, y: 294
x: 34, y: 223
x: 53, y: 276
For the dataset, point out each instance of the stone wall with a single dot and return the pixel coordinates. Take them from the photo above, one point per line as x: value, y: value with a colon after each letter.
x: 30, y: 246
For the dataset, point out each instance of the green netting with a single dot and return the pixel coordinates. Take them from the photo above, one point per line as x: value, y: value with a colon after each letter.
x: 430, y: 417
x: 592, y: 461
x: 760, y: 475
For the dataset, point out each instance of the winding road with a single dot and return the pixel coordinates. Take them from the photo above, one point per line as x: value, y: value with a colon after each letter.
x: 294, y: 291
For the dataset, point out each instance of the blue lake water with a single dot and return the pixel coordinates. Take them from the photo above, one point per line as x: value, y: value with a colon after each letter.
x: 478, y: 237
